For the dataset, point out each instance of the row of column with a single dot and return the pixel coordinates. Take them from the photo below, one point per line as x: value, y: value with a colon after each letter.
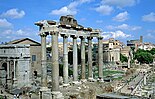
x: 55, y: 63
x: 8, y: 72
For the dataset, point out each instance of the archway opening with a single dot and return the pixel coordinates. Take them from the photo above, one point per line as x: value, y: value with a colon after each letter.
x: 4, y: 66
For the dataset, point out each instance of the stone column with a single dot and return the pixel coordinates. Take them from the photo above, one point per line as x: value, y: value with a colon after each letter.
x: 100, y: 57
x: 145, y: 75
x: 75, y: 61
x: 65, y: 59
x: 8, y: 70
x: 55, y: 63
x: 83, y: 58
x: 43, y: 60
x: 56, y: 94
x: 90, y: 57
x: 129, y: 60
x: 14, y: 70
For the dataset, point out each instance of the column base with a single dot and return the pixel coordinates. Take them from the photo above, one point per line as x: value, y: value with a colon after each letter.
x: 76, y: 83
x: 65, y: 85
x: 100, y: 80
x: 45, y: 93
x: 83, y: 80
x: 57, y: 95
x: 90, y: 79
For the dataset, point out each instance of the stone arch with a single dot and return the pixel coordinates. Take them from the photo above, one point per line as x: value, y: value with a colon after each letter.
x: 3, y: 72
x: 4, y: 66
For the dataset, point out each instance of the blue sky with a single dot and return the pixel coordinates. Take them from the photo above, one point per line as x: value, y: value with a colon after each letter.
x: 120, y: 19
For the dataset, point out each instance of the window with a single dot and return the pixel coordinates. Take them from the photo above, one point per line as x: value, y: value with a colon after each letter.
x: 33, y: 57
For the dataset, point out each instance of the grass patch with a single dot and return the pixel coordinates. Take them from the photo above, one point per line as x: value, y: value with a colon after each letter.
x: 111, y: 72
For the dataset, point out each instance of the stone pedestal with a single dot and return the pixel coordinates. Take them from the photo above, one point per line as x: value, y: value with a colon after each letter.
x: 57, y: 95
x: 45, y: 93
x: 91, y: 79
x: 76, y: 82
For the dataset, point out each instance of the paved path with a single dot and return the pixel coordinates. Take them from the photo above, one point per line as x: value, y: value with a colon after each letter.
x: 129, y: 87
x: 10, y: 96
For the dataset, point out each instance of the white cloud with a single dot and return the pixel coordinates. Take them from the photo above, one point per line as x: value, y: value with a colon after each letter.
x: 150, y: 36
x: 116, y: 34
x: 64, y: 11
x: 99, y: 21
x: 13, y: 13
x: 120, y: 34
x: 5, y: 24
x: 106, y: 36
x: 120, y: 3
x: 123, y: 27
x: 149, y: 17
x: 70, y: 9
x: 19, y: 32
x: 121, y: 17
x: 7, y: 32
x: 104, y: 9
x: 12, y: 34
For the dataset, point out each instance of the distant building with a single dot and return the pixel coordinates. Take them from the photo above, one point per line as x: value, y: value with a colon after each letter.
x: 146, y: 46
x: 20, y: 61
x: 134, y: 43
x: 111, y: 50
x: 126, y: 51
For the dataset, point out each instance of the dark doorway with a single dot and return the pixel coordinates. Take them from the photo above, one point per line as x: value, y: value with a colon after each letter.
x: 3, y: 74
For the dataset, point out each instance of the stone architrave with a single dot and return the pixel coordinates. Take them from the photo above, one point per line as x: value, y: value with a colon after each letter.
x: 100, y: 57
x: 90, y: 71
x: 83, y: 69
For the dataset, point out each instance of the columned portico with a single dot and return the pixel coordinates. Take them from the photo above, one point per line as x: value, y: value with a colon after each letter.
x: 100, y: 57
x: 55, y: 63
x: 83, y: 68
x: 65, y: 59
x: 67, y: 27
x: 75, y: 61
x: 90, y: 72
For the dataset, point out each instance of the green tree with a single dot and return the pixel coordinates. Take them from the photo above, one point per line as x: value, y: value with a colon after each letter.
x: 143, y: 56
x: 152, y: 51
x: 123, y: 58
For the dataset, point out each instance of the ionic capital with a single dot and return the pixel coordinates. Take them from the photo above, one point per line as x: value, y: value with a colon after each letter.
x: 74, y: 36
x: 54, y: 33
x: 89, y: 38
x: 64, y: 35
x: 43, y: 34
x: 100, y: 38
x: 82, y: 37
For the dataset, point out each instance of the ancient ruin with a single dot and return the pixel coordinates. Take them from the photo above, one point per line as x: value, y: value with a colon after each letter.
x: 67, y: 27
